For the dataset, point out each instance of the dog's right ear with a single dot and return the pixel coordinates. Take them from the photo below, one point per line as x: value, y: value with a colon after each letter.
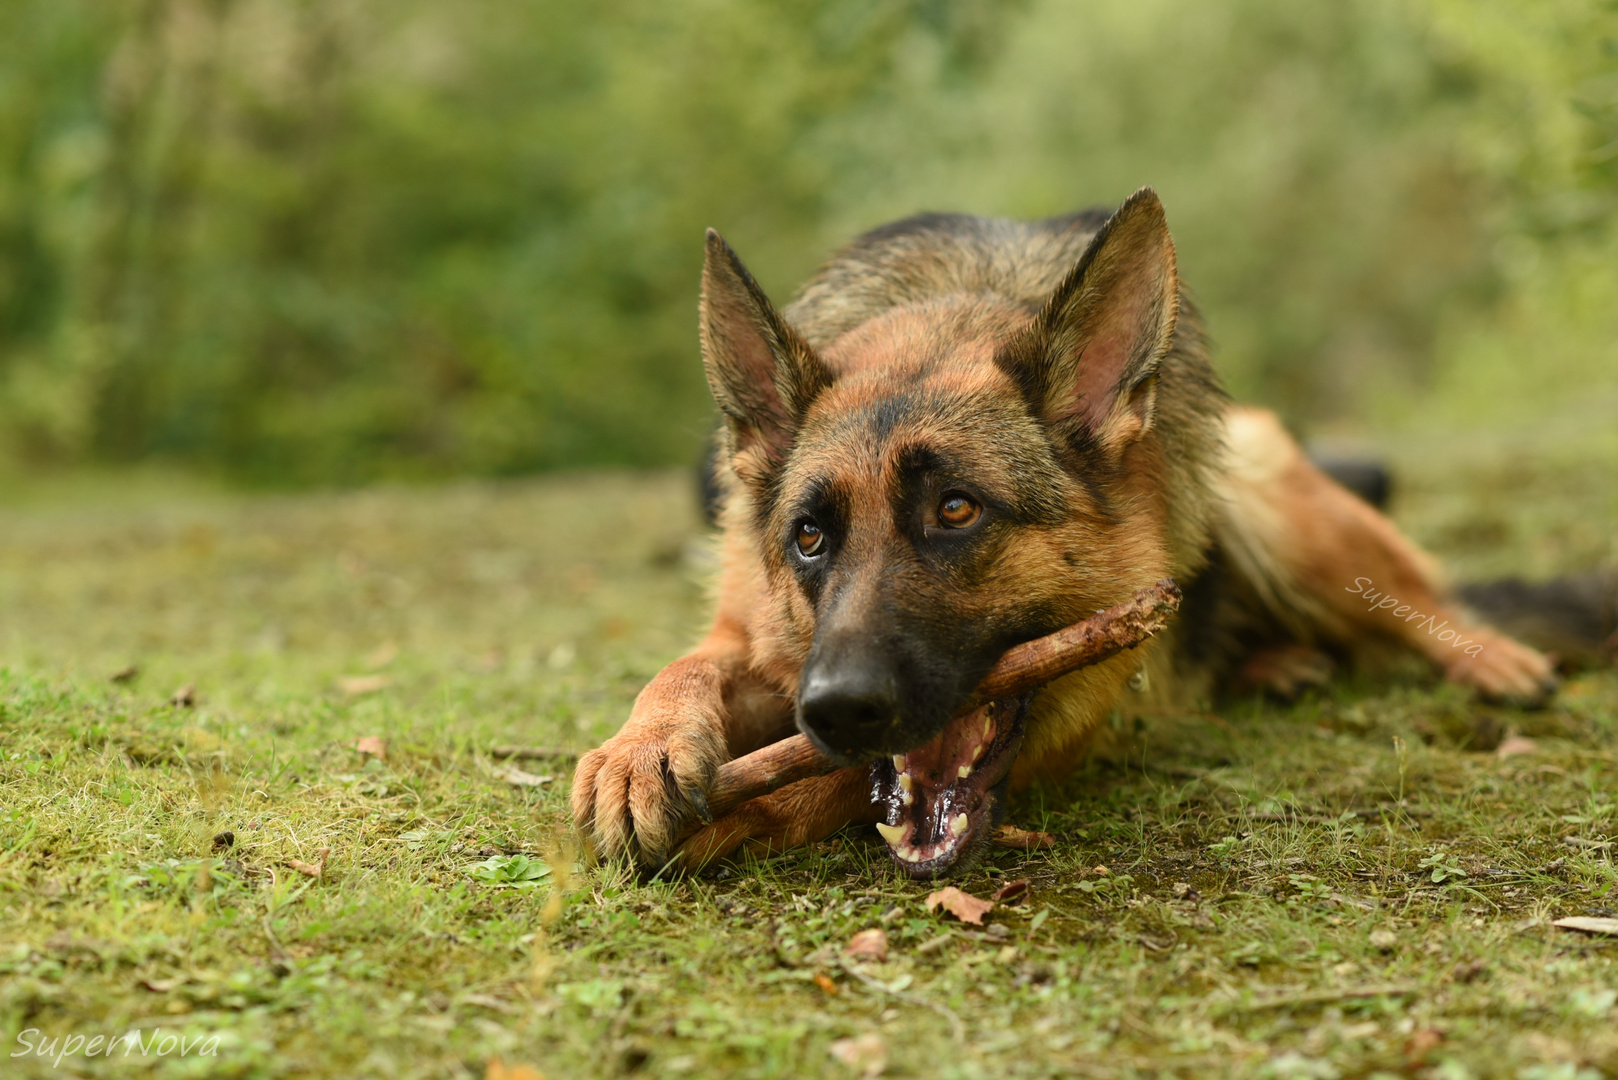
x: 762, y: 373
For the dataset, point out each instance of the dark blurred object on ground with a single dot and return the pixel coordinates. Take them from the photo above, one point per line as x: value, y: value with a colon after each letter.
x: 1368, y: 479
x: 1575, y: 617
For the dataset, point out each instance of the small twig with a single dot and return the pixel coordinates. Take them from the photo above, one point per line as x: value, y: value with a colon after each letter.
x: 1326, y: 819
x: 1321, y: 997
x: 958, y: 1028
x: 1591, y: 845
x: 533, y: 752
x: 275, y: 945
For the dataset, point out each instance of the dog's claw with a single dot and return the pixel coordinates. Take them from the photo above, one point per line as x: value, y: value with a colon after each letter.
x: 1506, y: 670
x: 699, y: 802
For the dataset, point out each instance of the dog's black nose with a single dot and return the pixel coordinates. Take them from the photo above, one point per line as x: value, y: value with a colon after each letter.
x: 849, y: 709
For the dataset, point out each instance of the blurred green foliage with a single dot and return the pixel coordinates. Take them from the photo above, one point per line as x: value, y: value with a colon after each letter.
x: 311, y: 242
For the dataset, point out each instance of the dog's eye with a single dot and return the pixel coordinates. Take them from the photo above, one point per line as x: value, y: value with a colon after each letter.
x: 810, y: 539
x: 958, y: 512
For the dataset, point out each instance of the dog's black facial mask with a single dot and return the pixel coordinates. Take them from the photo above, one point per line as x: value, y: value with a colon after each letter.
x: 882, y: 682
x: 905, y: 625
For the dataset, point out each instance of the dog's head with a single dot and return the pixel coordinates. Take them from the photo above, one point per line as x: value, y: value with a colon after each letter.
x: 952, y: 477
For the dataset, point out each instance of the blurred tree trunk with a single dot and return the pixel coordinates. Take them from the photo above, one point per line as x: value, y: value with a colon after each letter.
x: 161, y: 88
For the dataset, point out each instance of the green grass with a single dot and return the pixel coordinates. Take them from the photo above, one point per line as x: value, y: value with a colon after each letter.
x: 1269, y: 907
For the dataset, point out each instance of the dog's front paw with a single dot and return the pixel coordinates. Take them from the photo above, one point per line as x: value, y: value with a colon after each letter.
x: 636, y: 793
x: 1503, y: 670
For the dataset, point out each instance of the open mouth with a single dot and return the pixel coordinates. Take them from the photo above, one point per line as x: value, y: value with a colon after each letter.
x: 943, y: 799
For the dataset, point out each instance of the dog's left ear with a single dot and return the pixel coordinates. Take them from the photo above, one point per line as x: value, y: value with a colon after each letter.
x: 1088, y: 362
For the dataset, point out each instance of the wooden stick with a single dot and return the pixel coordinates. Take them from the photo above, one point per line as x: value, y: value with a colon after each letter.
x: 1023, y: 668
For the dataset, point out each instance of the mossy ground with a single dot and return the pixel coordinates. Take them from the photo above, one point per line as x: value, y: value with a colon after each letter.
x: 1268, y: 908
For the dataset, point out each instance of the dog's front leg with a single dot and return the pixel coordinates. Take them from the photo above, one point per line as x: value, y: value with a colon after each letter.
x: 799, y: 813
x: 635, y: 794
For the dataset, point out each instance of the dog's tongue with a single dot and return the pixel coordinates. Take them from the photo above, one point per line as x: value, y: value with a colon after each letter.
x: 938, y: 798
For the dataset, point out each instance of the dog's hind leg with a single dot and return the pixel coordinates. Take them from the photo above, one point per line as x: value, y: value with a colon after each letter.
x: 799, y: 813
x: 1283, y: 671
x: 1331, y: 568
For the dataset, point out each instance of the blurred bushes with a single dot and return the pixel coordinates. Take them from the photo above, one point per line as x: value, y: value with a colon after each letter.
x: 325, y: 242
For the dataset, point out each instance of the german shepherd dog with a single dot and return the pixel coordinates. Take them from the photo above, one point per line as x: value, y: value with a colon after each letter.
x: 963, y: 434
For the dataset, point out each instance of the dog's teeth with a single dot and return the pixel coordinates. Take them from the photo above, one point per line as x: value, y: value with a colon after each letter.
x: 906, y: 794
x: 964, y: 771
x: 988, y: 727
x: 891, y: 833
x: 905, y: 781
x: 977, y: 752
x: 898, y: 763
x: 957, y: 824
x: 909, y: 854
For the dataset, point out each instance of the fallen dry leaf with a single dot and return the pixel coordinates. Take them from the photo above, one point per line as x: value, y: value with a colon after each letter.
x: 513, y: 775
x: 1012, y: 837
x: 499, y: 1070
x: 160, y: 986
x: 383, y: 655
x: 1515, y: 745
x: 1421, y: 1043
x: 869, y: 944
x: 1384, y: 940
x: 355, y: 685
x: 125, y: 673
x: 1012, y: 892
x: 374, y: 745
x: 867, y: 1054
x: 184, y: 697
x: 313, y: 870
x: 823, y: 981
x: 964, y: 906
x: 1589, y: 924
